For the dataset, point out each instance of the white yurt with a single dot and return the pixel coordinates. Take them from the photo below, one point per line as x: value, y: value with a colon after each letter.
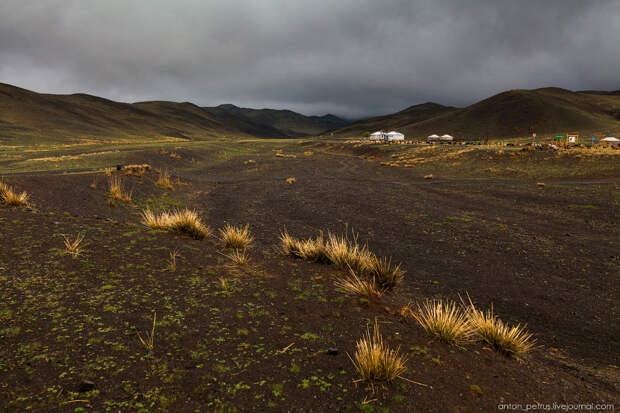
x: 394, y: 136
x: 376, y: 136
x: 446, y: 137
x: 611, y: 141
x: 432, y: 138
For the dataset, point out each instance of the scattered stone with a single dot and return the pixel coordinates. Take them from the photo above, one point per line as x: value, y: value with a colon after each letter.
x: 332, y: 351
x: 86, y: 385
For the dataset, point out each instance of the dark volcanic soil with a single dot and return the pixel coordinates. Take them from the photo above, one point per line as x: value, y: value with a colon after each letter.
x: 546, y: 257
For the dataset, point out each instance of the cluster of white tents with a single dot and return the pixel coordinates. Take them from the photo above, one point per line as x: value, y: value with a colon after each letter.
x: 389, y: 136
x: 437, y: 138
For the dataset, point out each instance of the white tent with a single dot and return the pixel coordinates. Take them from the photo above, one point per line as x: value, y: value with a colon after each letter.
x: 611, y: 141
x: 446, y: 138
x: 394, y: 136
x: 433, y: 138
x: 377, y: 136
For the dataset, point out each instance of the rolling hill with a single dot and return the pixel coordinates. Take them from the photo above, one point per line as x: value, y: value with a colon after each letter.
x: 28, y: 116
x: 275, y: 123
x: 509, y: 114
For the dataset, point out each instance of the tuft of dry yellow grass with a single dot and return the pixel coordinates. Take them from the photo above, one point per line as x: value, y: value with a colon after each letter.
x: 184, y: 221
x: 116, y: 191
x: 75, y: 247
x: 355, y: 285
x: 347, y: 253
x: 444, y: 320
x: 289, y: 245
x: 11, y: 197
x: 172, y: 262
x: 239, y: 257
x: 313, y: 249
x: 291, y: 180
x: 164, y: 180
x: 429, y: 176
x: 508, y: 340
x: 137, y: 169
x: 236, y: 237
x: 387, y: 275
x: 375, y: 361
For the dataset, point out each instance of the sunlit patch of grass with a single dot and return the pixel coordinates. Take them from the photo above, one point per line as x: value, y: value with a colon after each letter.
x: 236, y: 237
x: 116, y: 191
x: 355, y: 285
x: 11, y: 197
x: 184, y: 221
x: 387, y: 275
x: 375, y: 361
x: 164, y: 180
x: 444, y: 320
x: 75, y: 247
x: 508, y: 340
x: 108, y: 172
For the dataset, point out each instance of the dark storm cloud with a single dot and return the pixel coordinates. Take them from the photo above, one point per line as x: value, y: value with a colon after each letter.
x: 351, y: 57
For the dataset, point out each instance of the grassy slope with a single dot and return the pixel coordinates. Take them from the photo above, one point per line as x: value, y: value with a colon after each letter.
x: 511, y: 114
x: 29, y: 117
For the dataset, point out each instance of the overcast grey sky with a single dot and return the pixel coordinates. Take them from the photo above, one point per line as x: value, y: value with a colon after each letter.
x: 348, y: 57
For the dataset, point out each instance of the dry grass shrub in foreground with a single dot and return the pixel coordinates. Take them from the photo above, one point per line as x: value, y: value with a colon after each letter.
x: 444, y: 320
x: 75, y: 247
x: 236, y: 237
x: 375, y: 361
x: 344, y: 253
x: 507, y: 340
x: 116, y: 191
x: 184, y: 221
x: 11, y: 197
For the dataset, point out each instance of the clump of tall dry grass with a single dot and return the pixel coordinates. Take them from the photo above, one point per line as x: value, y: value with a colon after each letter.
x: 11, y: 197
x: 164, y: 180
x: 290, y: 245
x: 387, y: 275
x: 238, y: 257
x: 116, y: 191
x: 508, y: 340
x: 375, y: 361
x: 444, y: 320
x: 236, y: 237
x: 356, y: 285
x: 137, y: 169
x: 75, y: 247
x: 347, y: 253
x: 184, y: 221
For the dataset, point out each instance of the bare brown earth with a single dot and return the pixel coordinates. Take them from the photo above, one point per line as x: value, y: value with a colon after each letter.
x: 546, y: 257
